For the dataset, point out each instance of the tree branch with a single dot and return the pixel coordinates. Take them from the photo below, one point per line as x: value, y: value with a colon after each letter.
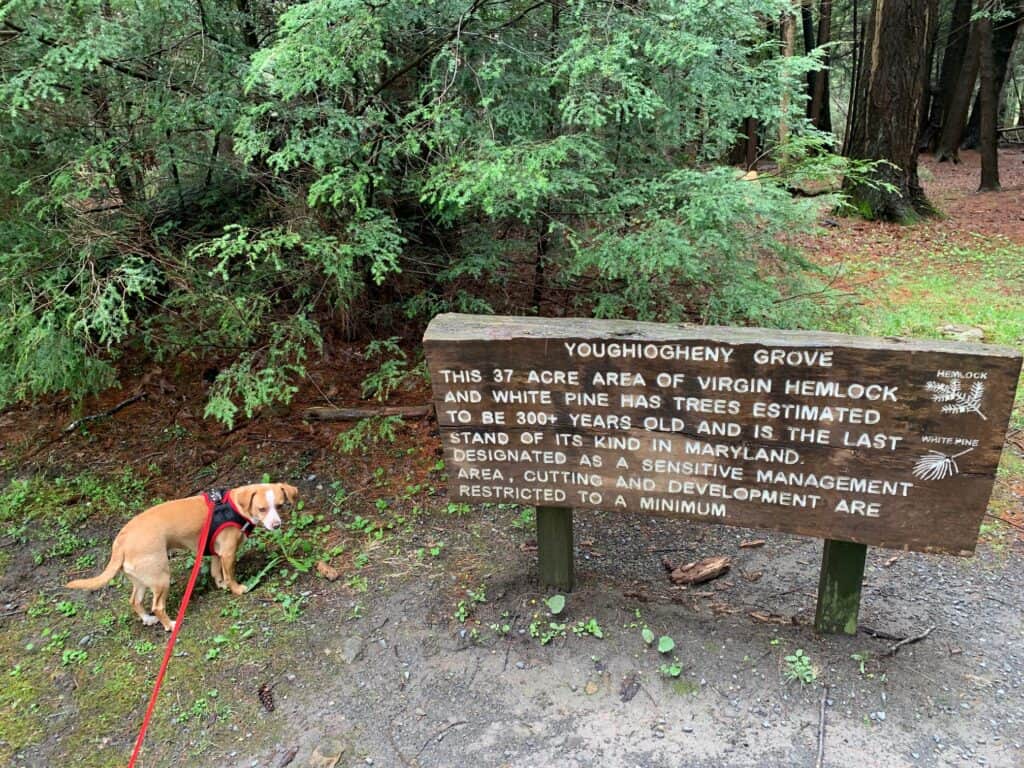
x: 106, y: 61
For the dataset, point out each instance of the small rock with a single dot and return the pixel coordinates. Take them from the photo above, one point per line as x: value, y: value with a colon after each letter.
x: 881, y: 715
x: 959, y: 332
x: 352, y: 649
x: 520, y: 665
x: 687, y: 729
x: 326, y: 755
x: 591, y: 687
x: 419, y: 712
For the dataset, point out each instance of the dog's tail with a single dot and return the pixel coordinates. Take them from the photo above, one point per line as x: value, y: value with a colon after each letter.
x: 116, y: 560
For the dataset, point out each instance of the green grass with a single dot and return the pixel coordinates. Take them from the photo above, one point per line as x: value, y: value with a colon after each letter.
x: 918, y: 295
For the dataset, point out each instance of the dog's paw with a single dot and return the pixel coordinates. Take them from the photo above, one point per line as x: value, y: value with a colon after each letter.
x: 149, y: 619
x: 169, y: 626
x: 239, y: 589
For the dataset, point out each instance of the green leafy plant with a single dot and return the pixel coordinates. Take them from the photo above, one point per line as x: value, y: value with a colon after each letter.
x: 555, y: 604
x: 862, y: 658
x: 666, y: 644
x: 672, y: 670
x: 393, y: 372
x: 799, y: 667
x: 373, y: 431
x: 74, y: 656
x: 546, y: 631
x: 588, y: 627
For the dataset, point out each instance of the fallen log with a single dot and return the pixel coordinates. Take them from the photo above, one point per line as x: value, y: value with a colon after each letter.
x: 319, y: 413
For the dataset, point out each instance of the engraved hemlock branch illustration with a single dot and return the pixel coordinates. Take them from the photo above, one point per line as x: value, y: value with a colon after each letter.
x: 955, y: 400
x: 936, y: 465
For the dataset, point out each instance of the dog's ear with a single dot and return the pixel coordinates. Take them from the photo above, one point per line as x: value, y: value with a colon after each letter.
x: 290, y: 492
x: 243, y: 498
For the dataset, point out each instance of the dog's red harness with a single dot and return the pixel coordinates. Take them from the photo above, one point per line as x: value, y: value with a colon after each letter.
x: 225, y: 514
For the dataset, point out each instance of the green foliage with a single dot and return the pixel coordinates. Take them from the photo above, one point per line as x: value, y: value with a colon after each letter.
x: 588, y: 627
x: 675, y: 669
x: 799, y: 667
x: 238, y: 181
x: 367, y: 432
x: 393, y: 372
x: 555, y: 604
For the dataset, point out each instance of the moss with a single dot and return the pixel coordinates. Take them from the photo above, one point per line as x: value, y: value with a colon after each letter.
x: 22, y: 720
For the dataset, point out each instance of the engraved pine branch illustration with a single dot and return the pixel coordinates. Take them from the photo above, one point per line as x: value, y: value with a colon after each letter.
x: 955, y: 399
x: 936, y: 465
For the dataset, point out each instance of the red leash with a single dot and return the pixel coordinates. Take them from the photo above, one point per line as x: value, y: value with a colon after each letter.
x: 174, y: 636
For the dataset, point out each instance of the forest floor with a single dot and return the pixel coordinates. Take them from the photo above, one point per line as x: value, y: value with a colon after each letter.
x: 433, y: 645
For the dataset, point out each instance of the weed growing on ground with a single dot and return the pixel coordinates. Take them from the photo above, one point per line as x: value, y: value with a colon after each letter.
x: 673, y: 670
x: 588, y: 627
x: 799, y: 667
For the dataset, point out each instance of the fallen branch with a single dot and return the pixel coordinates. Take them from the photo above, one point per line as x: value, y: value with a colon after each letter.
x: 907, y: 641
x: 879, y: 634
x: 767, y: 617
x: 320, y: 413
x: 698, y: 572
x: 440, y: 735
x: 1018, y: 526
x: 106, y: 414
x: 821, y: 729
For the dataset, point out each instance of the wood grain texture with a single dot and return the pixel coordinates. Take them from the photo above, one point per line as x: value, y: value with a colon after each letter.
x: 842, y: 571
x: 888, y: 442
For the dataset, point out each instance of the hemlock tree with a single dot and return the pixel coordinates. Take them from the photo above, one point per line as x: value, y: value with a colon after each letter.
x: 954, y: 52
x: 890, y: 88
x: 1005, y: 21
x: 242, y: 180
x: 989, y: 96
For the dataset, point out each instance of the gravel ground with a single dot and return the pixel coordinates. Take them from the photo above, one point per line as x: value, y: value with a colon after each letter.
x: 407, y: 684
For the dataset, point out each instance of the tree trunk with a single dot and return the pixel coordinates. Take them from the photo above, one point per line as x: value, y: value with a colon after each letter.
x: 544, y: 221
x: 820, y: 114
x: 807, y: 26
x: 1003, y: 36
x: 858, y: 54
x: 787, y: 28
x: 952, y: 63
x: 929, y: 90
x: 893, y: 73
x: 989, y: 97
x: 956, y: 115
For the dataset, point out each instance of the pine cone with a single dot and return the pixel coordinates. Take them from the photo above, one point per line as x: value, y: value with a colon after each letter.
x: 266, y: 697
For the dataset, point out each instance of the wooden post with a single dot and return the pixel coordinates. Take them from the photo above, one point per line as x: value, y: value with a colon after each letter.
x: 842, y: 570
x: 554, y: 548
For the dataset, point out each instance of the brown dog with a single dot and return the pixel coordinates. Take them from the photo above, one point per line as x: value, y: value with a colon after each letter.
x: 141, y: 546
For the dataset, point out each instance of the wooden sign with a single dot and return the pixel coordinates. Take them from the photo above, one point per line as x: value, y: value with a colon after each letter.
x: 889, y: 442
